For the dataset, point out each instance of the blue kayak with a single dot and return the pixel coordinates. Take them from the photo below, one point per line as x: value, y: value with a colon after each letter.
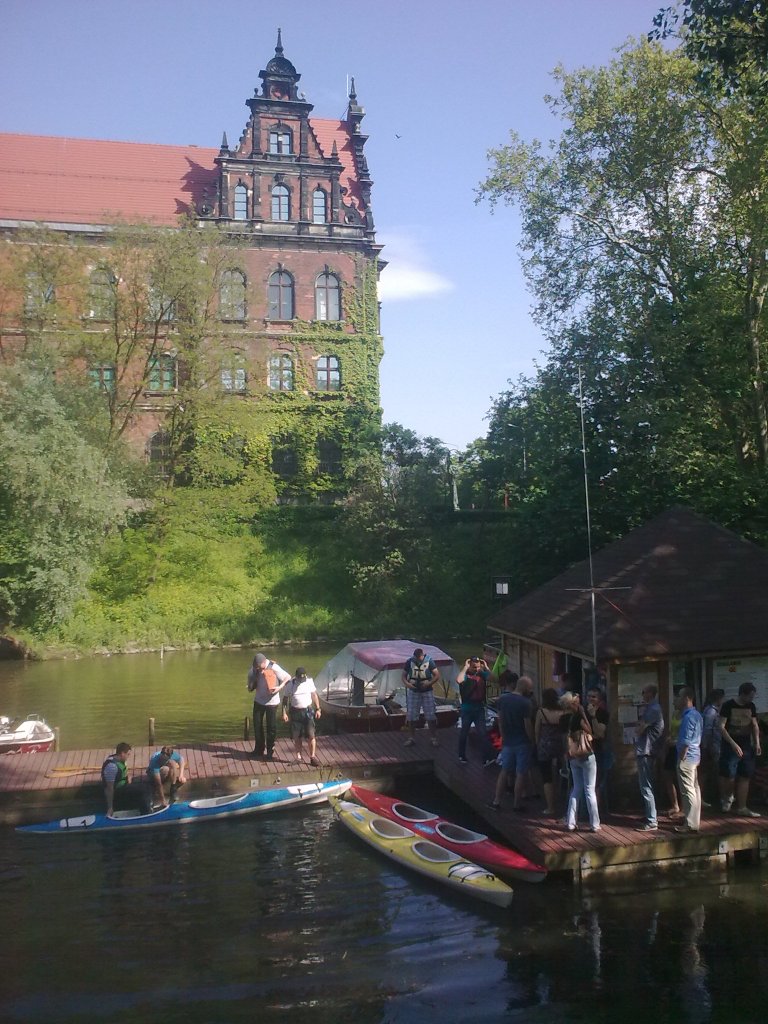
x: 187, y: 812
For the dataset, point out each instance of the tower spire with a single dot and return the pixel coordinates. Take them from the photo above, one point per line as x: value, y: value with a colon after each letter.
x: 279, y: 47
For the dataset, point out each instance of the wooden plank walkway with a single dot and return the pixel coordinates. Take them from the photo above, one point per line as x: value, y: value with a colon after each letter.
x: 31, y: 789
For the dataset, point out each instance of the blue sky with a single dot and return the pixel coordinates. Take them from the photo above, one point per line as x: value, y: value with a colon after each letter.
x: 449, y: 77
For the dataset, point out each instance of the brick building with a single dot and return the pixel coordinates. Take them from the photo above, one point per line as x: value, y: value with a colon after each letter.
x: 296, y: 313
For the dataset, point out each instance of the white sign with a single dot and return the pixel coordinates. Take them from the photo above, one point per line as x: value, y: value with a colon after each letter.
x: 729, y: 674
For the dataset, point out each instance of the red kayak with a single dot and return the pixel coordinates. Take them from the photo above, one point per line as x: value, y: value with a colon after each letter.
x: 474, y: 846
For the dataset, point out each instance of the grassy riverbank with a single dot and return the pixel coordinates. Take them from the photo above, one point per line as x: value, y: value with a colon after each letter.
x: 195, y: 574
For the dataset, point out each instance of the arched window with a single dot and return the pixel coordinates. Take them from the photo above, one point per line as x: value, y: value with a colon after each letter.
x: 103, y: 377
x: 281, y: 203
x: 328, y: 374
x: 280, y: 372
x: 328, y: 458
x: 163, y: 373
x: 319, y: 215
x: 327, y: 301
x: 284, y: 461
x: 280, y: 141
x: 232, y: 295
x: 159, y: 453
x: 241, y: 202
x: 102, y: 294
x: 280, y: 296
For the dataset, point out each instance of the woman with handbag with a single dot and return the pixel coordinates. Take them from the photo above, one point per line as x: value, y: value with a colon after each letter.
x: 583, y: 768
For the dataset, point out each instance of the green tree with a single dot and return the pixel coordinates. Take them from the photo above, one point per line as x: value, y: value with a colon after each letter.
x: 56, y: 501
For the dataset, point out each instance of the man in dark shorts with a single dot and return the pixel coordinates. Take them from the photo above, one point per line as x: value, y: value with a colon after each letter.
x: 516, y: 725
x: 740, y: 746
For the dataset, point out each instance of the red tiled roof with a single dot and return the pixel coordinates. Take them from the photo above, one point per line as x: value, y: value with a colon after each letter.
x: 91, y: 181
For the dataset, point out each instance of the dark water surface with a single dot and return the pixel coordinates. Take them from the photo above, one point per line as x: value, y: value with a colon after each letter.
x: 287, y: 918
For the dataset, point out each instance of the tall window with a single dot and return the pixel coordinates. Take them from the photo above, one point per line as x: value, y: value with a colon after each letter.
x: 163, y: 373
x: 280, y: 141
x: 38, y: 293
x: 281, y: 372
x: 159, y: 453
x: 233, y: 379
x: 232, y: 295
x: 328, y: 374
x: 328, y: 458
x: 319, y: 207
x: 280, y: 296
x: 281, y: 204
x: 102, y: 294
x: 161, y: 306
x: 241, y: 202
x: 284, y: 461
x: 327, y: 303
x: 103, y: 376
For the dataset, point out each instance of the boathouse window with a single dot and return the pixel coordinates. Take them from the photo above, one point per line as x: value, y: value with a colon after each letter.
x: 319, y: 207
x: 102, y: 294
x: 234, y: 380
x: 232, y: 295
x: 163, y: 373
x: 103, y: 377
x: 241, y: 202
x: 327, y: 297
x: 328, y: 458
x: 328, y: 374
x: 280, y: 296
x: 159, y: 453
x: 281, y: 203
x: 280, y: 372
x: 280, y: 141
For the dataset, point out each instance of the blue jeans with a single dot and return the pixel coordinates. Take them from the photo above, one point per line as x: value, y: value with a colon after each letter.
x: 645, y: 772
x: 584, y: 774
x: 469, y: 715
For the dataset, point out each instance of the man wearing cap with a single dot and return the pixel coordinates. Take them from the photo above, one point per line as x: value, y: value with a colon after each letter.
x: 420, y: 674
x: 265, y: 681
x: 301, y: 706
x: 473, y: 682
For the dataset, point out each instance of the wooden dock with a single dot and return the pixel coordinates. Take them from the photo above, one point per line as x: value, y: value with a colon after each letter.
x: 37, y: 787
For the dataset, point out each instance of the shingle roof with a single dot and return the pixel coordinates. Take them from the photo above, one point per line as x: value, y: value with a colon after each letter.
x: 90, y: 181
x: 694, y: 588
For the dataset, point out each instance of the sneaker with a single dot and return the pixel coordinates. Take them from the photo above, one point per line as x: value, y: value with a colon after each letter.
x: 725, y: 805
x: 746, y: 813
x: 686, y: 829
x: 314, y: 762
x: 258, y: 754
x: 647, y: 827
x: 410, y: 742
x: 299, y: 757
x: 570, y: 828
x: 494, y: 805
x: 463, y: 760
x: 489, y: 763
x: 596, y: 828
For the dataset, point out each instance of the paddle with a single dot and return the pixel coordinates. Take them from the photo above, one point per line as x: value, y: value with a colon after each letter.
x: 68, y: 770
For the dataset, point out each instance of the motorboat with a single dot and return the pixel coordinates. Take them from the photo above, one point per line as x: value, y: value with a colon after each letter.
x: 188, y: 812
x: 361, y: 688
x: 476, y: 846
x: 25, y: 736
x: 404, y: 846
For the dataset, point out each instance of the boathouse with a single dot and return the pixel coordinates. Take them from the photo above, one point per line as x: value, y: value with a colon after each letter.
x: 678, y: 601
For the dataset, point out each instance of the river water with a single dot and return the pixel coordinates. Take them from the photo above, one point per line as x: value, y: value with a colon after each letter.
x: 285, y: 918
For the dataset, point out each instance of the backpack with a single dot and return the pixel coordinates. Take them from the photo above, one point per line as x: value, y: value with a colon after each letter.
x: 269, y: 676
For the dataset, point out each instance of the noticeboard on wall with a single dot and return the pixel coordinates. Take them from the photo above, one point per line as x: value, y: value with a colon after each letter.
x: 729, y: 673
x: 632, y: 681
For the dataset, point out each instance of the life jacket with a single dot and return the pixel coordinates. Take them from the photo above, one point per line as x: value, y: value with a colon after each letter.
x: 122, y: 771
x: 421, y: 674
x: 270, y: 679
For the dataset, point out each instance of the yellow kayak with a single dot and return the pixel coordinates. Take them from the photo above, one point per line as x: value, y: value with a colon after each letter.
x: 411, y: 850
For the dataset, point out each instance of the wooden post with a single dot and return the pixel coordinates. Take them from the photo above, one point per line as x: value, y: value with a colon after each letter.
x: 56, y: 738
x: 151, y: 732
x: 246, y: 735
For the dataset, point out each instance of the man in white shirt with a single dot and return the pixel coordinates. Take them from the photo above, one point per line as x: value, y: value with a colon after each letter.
x: 301, y: 706
x: 265, y: 681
